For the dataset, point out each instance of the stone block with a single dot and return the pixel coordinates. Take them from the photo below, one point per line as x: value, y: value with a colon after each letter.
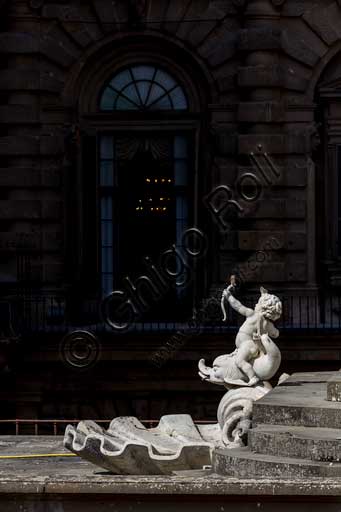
x: 295, y: 9
x: 225, y: 76
x: 51, y: 209
x: 259, y: 267
x: 241, y: 463
x: 155, y: 14
x: 15, y: 177
x: 298, y: 48
x: 201, y: 30
x: 226, y: 142
x: 176, y: 11
x: 56, y: 51
x: 12, y: 241
x: 106, y: 13
x: 19, y: 145
x: 261, y: 112
x: 259, y: 76
x: 51, y: 145
x: 28, y: 80
x: 254, y: 39
x: 271, y: 76
x: 28, y: 177
x: 314, y: 443
x: 273, y: 144
x: 24, y: 209
x: 300, y: 401
x: 18, y: 114
x: 274, y: 240
x: 53, y: 272
x: 31, y: 145
x: 334, y: 388
x: 192, y: 16
x: 325, y: 22
x: 29, y: 209
x: 219, y: 47
x: 52, y: 241
x: 278, y: 209
x: 18, y: 42
x: 275, y: 175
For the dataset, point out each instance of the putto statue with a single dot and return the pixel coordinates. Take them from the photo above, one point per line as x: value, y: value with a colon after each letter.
x: 246, y: 371
x: 256, y: 358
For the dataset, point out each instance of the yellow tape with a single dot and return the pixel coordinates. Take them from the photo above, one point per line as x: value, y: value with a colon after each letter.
x: 31, y: 456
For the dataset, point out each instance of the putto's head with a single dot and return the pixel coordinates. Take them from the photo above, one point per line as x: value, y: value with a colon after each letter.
x: 269, y: 305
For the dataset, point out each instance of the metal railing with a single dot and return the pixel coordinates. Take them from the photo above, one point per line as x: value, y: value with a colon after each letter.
x: 43, y: 314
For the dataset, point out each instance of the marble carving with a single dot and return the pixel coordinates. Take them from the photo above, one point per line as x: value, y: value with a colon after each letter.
x: 128, y: 447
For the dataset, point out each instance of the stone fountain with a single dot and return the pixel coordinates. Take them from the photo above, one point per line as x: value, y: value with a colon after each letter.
x: 177, y: 443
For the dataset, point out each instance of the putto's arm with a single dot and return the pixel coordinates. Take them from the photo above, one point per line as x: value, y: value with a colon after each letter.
x: 235, y: 304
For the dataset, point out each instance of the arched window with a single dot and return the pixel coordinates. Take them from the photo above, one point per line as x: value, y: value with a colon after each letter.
x: 145, y: 180
x: 143, y: 87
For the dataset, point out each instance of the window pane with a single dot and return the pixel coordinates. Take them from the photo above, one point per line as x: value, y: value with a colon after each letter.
x: 121, y: 80
x: 139, y: 84
x: 106, y: 232
x: 165, y: 80
x: 108, y: 99
x: 123, y: 104
x: 180, y: 147
x: 181, y: 209
x: 107, y: 284
x: 106, y: 174
x: 143, y: 72
x: 179, y: 99
x: 143, y: 88
x: 107, y: 259
x: 106, y: 208
x: 163, y: 104
x: 107, y: 147
x: 131, y: 93
x: 155, y: 93
x: 180, y: 172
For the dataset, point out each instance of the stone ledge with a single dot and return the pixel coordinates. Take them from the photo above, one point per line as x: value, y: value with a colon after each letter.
x: 73, y: 476
x: 334, y: 389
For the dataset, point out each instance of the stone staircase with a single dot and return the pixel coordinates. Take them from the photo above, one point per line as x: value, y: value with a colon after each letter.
x: 296, y: 432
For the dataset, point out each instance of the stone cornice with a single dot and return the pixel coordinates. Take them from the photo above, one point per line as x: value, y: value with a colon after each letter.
x: 241, y: 4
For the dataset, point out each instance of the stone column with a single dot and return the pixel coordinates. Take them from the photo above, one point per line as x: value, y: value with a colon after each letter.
x: 269, y: 147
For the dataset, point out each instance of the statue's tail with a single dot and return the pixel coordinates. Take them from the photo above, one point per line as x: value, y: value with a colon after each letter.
x: 268, y: 363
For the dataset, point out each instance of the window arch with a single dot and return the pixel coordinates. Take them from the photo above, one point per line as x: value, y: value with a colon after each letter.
x: 145, y: 88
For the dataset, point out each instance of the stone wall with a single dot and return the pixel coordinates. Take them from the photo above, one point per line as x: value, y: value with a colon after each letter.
x: 257, y: 67
x: 261, y: 61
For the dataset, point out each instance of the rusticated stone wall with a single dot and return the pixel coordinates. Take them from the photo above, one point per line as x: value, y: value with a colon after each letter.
x: 262, y: 60
x: 261, y: 65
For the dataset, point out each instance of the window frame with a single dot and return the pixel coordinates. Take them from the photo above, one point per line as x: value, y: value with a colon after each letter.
x: 156, y: 68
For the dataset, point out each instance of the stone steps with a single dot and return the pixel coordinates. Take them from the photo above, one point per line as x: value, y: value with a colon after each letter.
x: 300, y: 401
x: 296, y: 433
x: 314, y: 443
x: 243, y: 463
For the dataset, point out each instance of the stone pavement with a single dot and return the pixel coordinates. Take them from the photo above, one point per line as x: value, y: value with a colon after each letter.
x: 292, y: 461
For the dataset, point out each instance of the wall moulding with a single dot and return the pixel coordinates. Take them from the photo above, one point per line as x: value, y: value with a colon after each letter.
x: 242, y: 4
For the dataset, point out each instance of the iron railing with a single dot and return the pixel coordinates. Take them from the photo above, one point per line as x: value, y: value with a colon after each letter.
x: 46, y: 313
